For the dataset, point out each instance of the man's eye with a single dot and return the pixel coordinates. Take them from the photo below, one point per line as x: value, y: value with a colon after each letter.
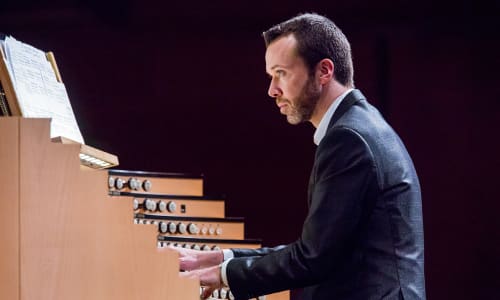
x: 280, y: 72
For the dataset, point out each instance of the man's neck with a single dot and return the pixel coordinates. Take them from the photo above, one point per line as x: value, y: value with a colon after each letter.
x: 330, y: 93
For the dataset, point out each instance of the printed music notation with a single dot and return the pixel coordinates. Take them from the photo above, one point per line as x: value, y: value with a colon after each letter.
x: 39, y: 93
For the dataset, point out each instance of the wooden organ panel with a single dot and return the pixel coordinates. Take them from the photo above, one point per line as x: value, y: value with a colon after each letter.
x: 208, y: 228
x: 121, y: 181
x: 9, y: 215
x: 176, y: 205
x: 64, y: 237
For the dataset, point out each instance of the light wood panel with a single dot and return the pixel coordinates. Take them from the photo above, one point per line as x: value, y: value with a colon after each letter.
x: 9, y: 214
x: 228, y: 230
x: 285, y: 295
x: 165, y: 185
x: 74, y: 241
x: 194, y: 208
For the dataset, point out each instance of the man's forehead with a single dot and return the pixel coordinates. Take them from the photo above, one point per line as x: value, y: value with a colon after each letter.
x: 281, y: 51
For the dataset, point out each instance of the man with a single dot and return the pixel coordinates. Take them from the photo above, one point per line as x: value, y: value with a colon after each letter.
x: 363, y: 235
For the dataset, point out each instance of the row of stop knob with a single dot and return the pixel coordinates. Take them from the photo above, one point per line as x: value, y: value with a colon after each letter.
x: 224, y: 293
x: 191, y: 228
x: 189, y: 246
x: 152, y: 205
x: 132, y: 183
x: 219, y: 294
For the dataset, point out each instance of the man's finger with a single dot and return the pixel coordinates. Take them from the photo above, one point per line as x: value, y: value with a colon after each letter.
x: 207, y: 292
x: 190, y: 275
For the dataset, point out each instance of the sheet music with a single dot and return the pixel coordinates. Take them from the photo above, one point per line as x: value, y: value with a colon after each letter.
x: 39, y: 93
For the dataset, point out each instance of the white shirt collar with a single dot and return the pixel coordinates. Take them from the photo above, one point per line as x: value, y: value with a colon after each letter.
x: 323, y: 124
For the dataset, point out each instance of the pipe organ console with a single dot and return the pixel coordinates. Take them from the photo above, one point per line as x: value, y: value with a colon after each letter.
x: 71, y: 232
x: 174, y: 206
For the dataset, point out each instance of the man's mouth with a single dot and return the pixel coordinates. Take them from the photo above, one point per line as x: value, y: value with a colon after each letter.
x: 282, y: 105
x: 281, y: 102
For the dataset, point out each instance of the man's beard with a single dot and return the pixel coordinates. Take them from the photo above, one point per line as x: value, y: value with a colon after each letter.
x: 302, y: 107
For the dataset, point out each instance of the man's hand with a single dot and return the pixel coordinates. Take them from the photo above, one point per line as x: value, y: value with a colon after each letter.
x: 209, y: 278
x: 195, y: 259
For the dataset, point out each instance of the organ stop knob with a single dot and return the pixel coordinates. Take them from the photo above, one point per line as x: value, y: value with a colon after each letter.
x: 181, y: 227
x: 147, y: 185
x: 193, y: 229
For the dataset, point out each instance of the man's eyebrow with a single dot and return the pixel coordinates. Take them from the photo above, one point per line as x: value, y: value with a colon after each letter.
x: 268, y: 71
x: 277, y: 66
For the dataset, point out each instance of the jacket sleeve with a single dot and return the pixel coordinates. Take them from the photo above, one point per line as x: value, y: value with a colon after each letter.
x: 244, y: 252
x: 343, y: 174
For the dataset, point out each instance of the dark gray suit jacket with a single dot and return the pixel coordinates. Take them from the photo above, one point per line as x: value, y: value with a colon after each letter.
x: 363, y: 236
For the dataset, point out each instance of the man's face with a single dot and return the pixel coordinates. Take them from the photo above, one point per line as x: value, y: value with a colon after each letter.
x: 296, y: 92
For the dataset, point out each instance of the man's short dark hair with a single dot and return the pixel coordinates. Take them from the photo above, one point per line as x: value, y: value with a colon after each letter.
x: 317, y: 38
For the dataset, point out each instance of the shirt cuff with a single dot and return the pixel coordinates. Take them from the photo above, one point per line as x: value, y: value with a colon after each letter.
x: 223, y: 274
x: 228, y: 254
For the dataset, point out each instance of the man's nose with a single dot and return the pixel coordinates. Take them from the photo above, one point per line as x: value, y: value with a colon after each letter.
x: 274, y: 91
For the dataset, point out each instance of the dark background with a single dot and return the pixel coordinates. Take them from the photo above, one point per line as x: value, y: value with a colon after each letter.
x: 180, y: 86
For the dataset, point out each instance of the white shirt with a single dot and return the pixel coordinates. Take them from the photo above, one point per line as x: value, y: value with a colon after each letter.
x: 319, y: 134
x: 228, y: 255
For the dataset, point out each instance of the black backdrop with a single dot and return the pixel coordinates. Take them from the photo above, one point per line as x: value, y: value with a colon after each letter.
x: 181, y: 87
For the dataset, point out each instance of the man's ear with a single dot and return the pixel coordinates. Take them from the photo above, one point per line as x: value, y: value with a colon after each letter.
x: 325, y: 70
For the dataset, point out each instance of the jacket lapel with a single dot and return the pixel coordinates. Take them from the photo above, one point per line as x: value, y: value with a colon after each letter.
x: 349, y: 100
